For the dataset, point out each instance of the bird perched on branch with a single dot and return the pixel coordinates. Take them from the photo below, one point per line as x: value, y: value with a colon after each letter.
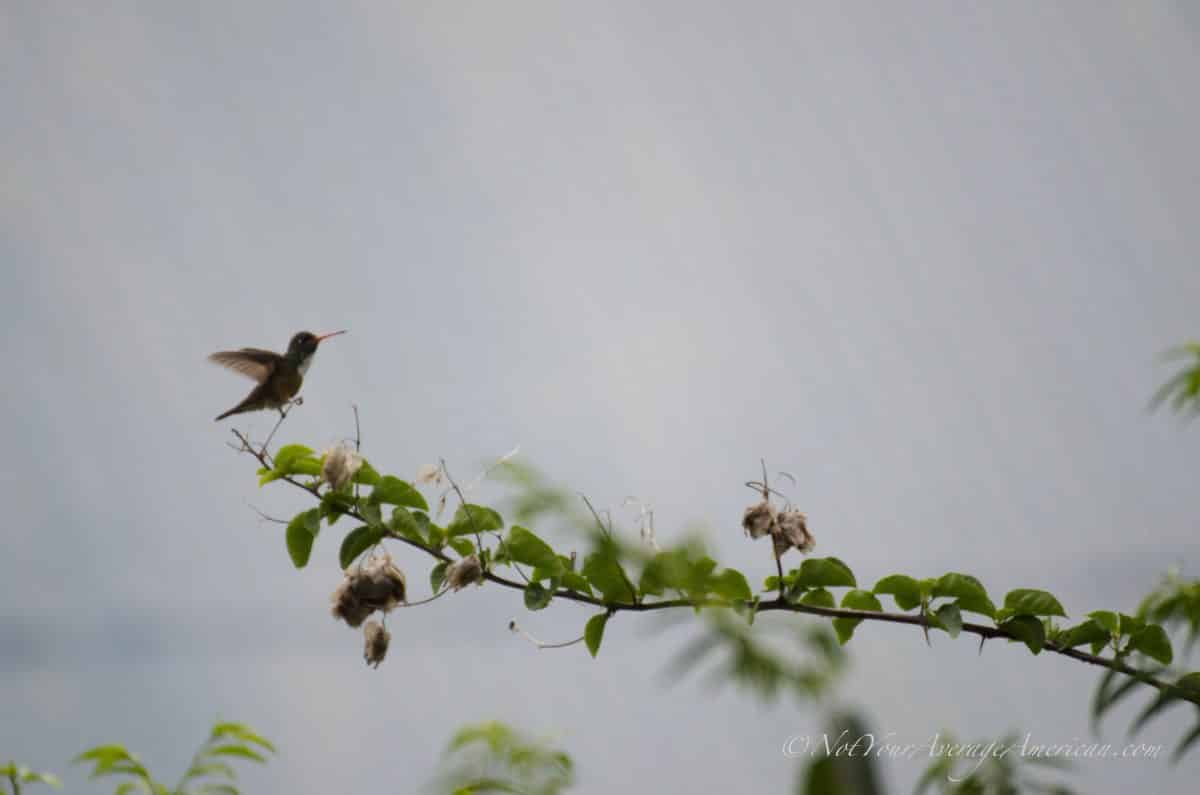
x: 279, y: 376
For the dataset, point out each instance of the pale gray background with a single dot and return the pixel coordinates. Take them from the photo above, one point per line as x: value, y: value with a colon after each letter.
x: 920, y: 254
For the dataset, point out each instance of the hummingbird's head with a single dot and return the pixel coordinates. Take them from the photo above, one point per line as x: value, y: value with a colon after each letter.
x: 304, y: 344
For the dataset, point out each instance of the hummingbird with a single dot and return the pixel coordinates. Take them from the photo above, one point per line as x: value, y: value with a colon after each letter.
x: 279, y: 376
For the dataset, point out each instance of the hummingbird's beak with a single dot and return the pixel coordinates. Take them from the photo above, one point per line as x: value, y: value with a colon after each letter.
x: 330, y: 334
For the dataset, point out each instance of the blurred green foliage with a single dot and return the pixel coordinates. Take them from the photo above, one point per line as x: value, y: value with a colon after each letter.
x: 1182, y: 391
x: 210, y: 772
x: 494, y: 757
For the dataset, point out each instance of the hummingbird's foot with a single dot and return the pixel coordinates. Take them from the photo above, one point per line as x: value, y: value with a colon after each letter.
x: 297, y: 401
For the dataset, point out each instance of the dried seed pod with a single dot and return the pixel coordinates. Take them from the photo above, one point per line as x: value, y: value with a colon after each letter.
x: 793, y: 532
x: 760, y: 519
x: 376, y: 646
x: 463, y: 572
x: 379, y: 583
x: 347, y: 606
x: 341, y: 465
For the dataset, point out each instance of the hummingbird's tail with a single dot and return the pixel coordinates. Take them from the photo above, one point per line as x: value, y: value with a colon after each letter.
x: 253, y: 402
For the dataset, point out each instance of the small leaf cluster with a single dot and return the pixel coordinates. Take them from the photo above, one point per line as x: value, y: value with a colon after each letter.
x: 494, y: 757
x: 16, y: 775
x: 210, y: 772
x: 748, y: 659
x: 1181, y: 391
x: 986, y: 767
x: 1174, y: 603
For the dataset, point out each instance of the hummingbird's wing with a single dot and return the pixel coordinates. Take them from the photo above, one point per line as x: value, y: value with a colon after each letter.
x: 252, y: 362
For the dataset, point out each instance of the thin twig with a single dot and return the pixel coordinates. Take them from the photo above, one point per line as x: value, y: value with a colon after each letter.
x: 512, y: 625
x: 437, y: 595
x: 778, y: 567
x: 462, y: 499
x: 283, y: 412
x: 266, y: 517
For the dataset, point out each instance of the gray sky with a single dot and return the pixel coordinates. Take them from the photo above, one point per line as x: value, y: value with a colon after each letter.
x: 920, y: 255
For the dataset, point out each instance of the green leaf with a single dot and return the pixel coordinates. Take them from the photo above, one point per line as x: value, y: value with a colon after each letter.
x: 1131, y: 625
x: 366, y: 475
x: 861, y: 600
x: 395, y: 491
x: 967, y: 592
x: 437, y: 535
x: 1156, y: 706
x: 406, y: 524
x: 240, y: 751
x: 593, y: 632
x: 334, y: 504
x: 242, y: 732
x: 1089, y: 631
x: 904, y: 589
x: 1030, y: 601
x: 438, y: 576
x: 731, y: 585
x: 470, y: 519
x: 844, y: 627
x: 536, y: 596
x: 950, y: 619
x: 541, y: 575
x: 296, y: 459
x: 103, y: 752
x: 1108, y: 620
x: 574, y: 581
x: 301, y: 534
x: 854, y: 600
x: 463, y: 546
x: 358, y: 541
x: 1189, y: 683
x: 1153, y: 642
x: 525, y: 547
x: 824, y: 573
x: 975, y: 604
x: 818, y: 597
x: 200, y: 770
x: 1187, y: 742
x: 958, y: 586
x: 671, y: 569
x: 1027, y: 629
x: 370, y: 513
x: 605, y: 574
x: 1108, y: 693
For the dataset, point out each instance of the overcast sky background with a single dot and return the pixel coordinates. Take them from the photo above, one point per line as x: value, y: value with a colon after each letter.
x: 921, y: 255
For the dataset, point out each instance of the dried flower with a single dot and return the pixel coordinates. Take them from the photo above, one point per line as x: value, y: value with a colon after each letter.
x: 793, y: 530
x: 376, y: 646
x: 760, y: 519
x: 377, y: 585
x: 347, y: 606
x: 341, y: 464
x: 463, y: 572
x: 429, y: 474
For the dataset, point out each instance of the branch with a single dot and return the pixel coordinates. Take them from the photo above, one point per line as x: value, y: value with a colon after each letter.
x: 778, y: 604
